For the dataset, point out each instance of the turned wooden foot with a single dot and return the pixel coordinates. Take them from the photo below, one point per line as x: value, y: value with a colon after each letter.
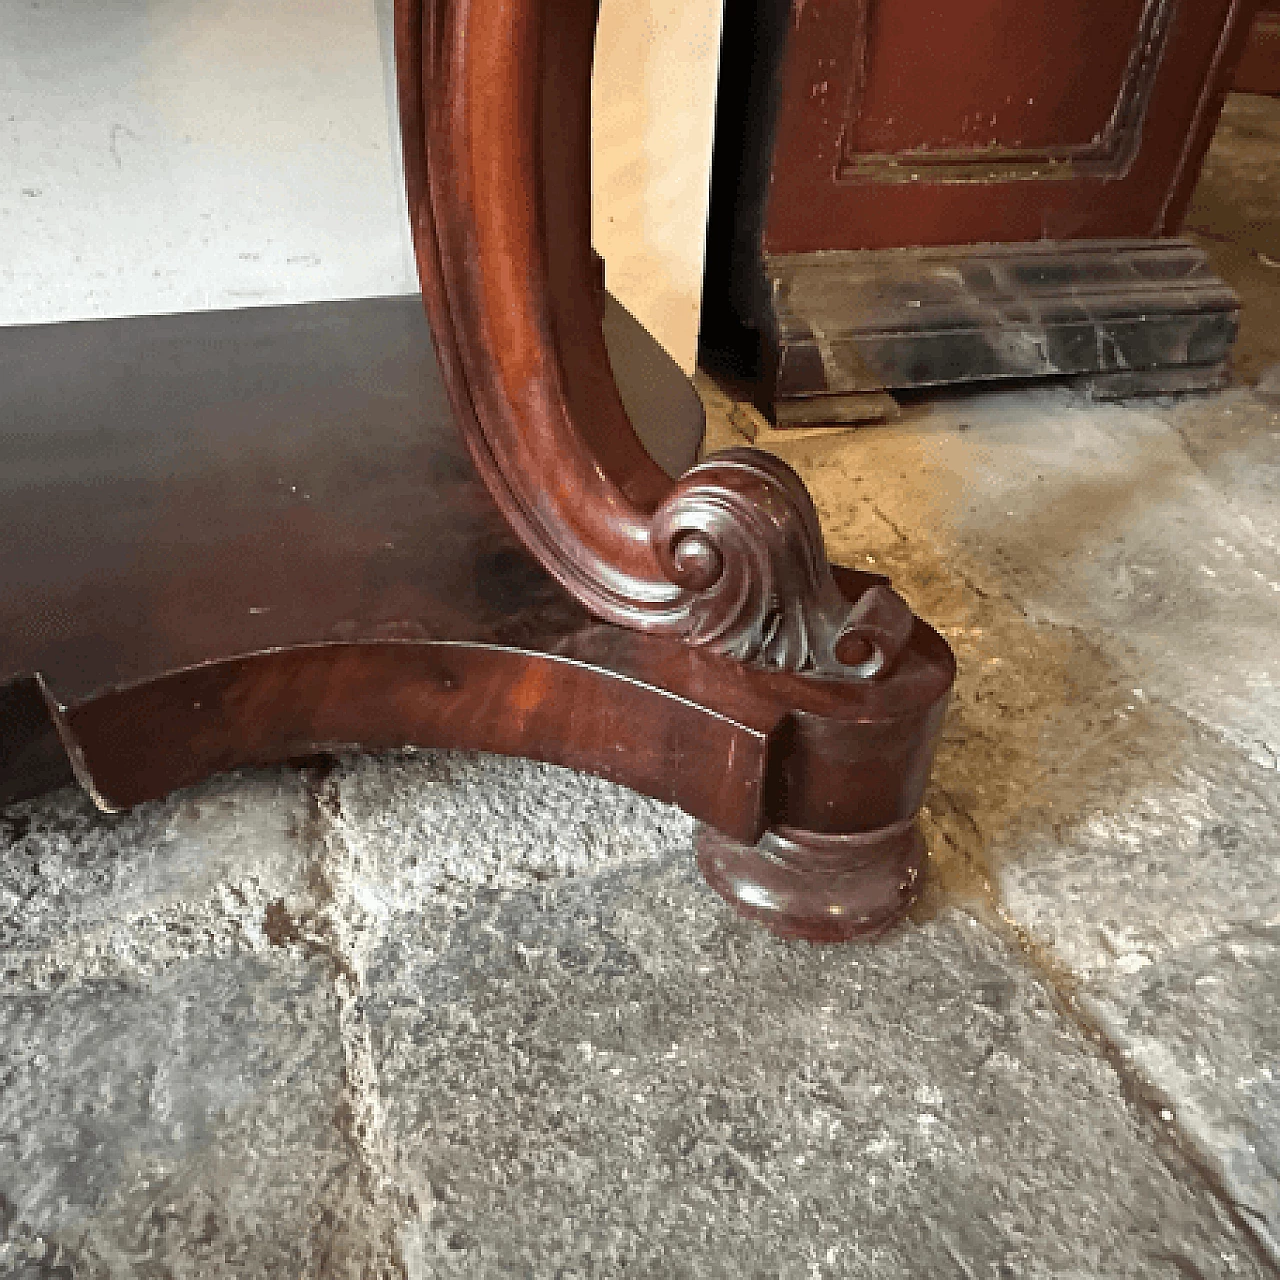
x: 824, y: 888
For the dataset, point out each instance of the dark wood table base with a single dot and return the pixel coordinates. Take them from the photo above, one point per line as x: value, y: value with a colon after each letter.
x: 240, y: 538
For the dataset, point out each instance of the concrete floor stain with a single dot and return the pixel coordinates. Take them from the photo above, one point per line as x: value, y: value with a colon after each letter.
x: 1043, y: 728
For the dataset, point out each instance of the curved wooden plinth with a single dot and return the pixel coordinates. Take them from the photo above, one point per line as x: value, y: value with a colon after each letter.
x: 240, y: 539
x: 824, y: 888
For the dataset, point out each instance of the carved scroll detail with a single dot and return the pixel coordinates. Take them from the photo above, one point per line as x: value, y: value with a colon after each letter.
x: 494, y: 102
x: 740, y: 535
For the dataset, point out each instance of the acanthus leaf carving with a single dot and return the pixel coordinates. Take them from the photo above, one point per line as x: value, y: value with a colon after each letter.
x: 739, y: 535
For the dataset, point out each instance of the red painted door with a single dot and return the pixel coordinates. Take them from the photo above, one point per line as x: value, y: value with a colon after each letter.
x: 1259, y: 69
x: 931, y: 122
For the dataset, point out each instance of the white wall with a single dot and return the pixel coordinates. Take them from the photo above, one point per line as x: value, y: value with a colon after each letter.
x: 178, y: 155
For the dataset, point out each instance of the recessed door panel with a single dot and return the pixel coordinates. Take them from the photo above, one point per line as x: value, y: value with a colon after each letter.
x: 920, y: 122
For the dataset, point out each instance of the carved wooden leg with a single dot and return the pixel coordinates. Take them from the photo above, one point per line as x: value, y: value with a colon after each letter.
x: 203, y: 574
x: 730, y: 559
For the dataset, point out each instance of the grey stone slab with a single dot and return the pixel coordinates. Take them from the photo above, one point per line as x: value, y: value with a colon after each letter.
x: 431, y: 827
x: 1153, y: 531
x: 1141, y: 875
x: 1100, y: 518
x: 507, y: 1030
x: 1200, y: 1023
x: 185, y: 1079
x: 84, y: 894
x: 181, y: 1124
x: 1167, y: 907
x: 1234, y: 440
x: 173, y: 1086
x: 611, y: 1075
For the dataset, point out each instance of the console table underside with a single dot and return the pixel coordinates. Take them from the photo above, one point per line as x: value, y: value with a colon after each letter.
x: 239, y: 538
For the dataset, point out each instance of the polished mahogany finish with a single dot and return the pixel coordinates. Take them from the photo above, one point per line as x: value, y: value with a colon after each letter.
x: 242, y: 539
x: 823, y: 888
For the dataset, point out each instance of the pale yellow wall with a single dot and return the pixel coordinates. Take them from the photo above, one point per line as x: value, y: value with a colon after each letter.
x: 654, y: 114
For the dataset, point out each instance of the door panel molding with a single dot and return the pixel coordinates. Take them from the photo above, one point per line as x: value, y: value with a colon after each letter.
x: 1109, y: 154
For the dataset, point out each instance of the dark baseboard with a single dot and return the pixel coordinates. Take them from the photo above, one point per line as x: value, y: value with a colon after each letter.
x: 1139, y: 316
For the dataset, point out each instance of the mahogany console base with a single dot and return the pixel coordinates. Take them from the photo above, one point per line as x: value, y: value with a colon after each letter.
x: 243, y: 538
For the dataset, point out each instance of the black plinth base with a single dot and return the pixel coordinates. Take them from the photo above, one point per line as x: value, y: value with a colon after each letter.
x: 1142, y: 316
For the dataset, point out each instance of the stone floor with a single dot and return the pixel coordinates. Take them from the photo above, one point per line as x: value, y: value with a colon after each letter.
x: 446, y: 1015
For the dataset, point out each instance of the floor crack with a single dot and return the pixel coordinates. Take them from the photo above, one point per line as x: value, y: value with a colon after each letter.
x: 338, y: 928
x: 1146, y: 1097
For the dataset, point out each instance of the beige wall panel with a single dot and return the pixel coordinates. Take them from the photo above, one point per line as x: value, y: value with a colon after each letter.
x: 654, y: 116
